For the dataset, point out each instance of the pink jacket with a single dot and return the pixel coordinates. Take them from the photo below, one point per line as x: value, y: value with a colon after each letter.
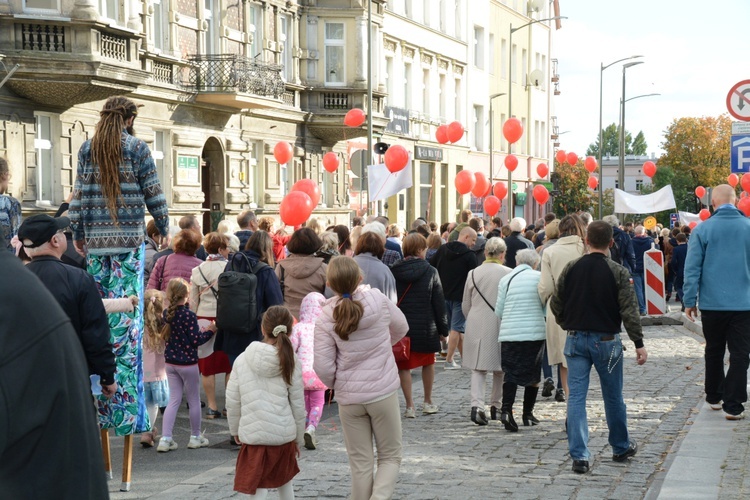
x: 178, y: 265
x: 303, y: 337
x: 361, y: 369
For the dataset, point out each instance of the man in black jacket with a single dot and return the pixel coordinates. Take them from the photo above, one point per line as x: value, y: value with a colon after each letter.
x: 593, y: 297
x: 516, y: 241
x: 453, y: 262
x: 49, y: 442
x: 75, y: 291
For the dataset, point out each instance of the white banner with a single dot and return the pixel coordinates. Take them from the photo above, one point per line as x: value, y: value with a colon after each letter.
x: 382, y: 183
x: 659, y: 201
x: 687, y: 218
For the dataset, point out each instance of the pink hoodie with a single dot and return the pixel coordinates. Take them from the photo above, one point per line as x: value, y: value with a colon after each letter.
x: 363, y: 368
x: 303, y: 336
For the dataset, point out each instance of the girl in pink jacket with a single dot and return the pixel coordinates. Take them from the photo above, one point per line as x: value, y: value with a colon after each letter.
x: 353, y: 355
x: 302, y: 341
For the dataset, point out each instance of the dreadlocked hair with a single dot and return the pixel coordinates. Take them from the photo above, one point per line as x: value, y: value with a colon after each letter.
x: 177, y: 292
x: 343, y: 276
x: 106, y: 147
x: 153, y: 318
x: 274, y: 318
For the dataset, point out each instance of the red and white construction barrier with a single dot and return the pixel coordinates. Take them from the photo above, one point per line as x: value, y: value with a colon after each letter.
x: 653, y: 267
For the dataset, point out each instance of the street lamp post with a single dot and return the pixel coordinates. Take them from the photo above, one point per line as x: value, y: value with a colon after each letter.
x: 492, y: 137
x: 601, y: 169
x: 510, y: 99
x: 621, y: 163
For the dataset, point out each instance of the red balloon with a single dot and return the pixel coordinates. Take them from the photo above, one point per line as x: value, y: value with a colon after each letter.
x: 511, y: 162
x: 492, y: 205
x: 541, y: 195
x: 481, y: 185
x: 700, y: 191
x: 560, y: 156
x: 310, y: 188
x: 512, y: 130
x: 733, y: 179
x: 465, y: 181
x: 692, y: 225
x: 649, y: 169
x: 593, y: 182
x: 542, y: 169
x: 744, y: 205
x: 331, y: 162
x: 282, y: 151
x: 704, y: 214
x: 355, y: 117
x: 295, y: 208
x: 441, y: 134
x: 500, y: 190
x: 396, y: 158
x: 572, y: 158
x: 745, y: 182
x: 455, y: 131
x: 590, y: 164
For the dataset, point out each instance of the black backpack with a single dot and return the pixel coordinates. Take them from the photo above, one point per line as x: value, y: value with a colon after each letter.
x: 237, y: 308
x: 615, y: 252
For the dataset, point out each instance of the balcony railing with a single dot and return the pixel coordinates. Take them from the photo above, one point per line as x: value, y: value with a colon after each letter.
x: 230, y: 73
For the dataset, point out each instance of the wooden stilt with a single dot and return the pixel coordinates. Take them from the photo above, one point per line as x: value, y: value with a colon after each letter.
x: 106, y: 453
x: 127, y: 463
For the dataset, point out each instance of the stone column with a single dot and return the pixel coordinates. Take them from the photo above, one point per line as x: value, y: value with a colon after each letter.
x: 85, y: 9
x: 133, y: 11
x: 360, y: 75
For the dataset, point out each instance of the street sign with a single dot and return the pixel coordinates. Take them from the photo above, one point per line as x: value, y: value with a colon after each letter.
x: 740, y: 153
x: 738, y: 101
x: 740, y: 128
x: 673, y: 218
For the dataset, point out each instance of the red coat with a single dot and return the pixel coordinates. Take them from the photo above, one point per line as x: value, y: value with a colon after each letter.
x: 279, y: 242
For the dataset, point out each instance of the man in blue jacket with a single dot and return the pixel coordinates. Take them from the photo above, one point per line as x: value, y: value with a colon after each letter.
x: 716, y: 268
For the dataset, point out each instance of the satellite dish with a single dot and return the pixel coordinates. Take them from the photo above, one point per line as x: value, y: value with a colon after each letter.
x: 536, y: 77
x: 535, y: 5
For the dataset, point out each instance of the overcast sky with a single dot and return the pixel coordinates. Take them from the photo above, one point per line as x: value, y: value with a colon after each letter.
x: 694, y: 51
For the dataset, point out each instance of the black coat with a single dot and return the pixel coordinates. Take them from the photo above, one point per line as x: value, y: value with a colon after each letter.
x: 515, y: 242
x: 77, y: 294
x: 49, y: 439
x: 453, y: 262
x: 423, y: 303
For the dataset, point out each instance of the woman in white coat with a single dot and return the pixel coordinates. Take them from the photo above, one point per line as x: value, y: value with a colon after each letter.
x: 569, y: 247
x: 481, y: 348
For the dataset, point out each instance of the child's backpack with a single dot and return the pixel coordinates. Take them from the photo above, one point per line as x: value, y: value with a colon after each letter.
x: 237, y: 308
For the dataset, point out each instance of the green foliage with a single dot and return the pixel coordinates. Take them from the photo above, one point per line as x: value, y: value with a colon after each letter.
x: 571, y: 182
x: 611, y: 141
x: 639, y: 147
x: 608, y: 203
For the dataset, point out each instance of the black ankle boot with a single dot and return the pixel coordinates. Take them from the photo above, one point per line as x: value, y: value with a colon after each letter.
x: 529, y: 400
x: 506, y: 411
x: 506, y: 417
x: 493, y: 412
x: 477, y: 416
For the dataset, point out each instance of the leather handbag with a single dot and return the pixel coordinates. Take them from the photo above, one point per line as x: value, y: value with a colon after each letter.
x: 402, y: 348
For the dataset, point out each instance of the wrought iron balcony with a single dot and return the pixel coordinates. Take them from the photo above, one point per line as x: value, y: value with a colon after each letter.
x: 235, y: 81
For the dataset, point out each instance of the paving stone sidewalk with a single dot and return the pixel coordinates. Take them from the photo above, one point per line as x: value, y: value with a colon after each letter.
x: 446, y: 456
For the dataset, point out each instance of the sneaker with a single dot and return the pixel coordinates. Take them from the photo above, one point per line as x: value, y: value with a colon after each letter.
x: 166, y: 444
x: 715, y: 406
x: 197, y: 442
x: 630, y: 452
x: 549, y: 386
x: 211, y: 413
x: 310, y: 442
x: 560, y: 395
x: 410, y: 413
x: 729, y: 416
x: 452, y: 365
x: 580, y: 466
x: 429, y: 409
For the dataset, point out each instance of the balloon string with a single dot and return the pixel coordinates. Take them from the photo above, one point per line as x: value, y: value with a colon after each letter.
x: 374, y: 198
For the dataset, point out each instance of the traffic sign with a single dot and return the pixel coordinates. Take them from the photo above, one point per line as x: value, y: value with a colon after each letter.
x: 738, y: 101
x: 740, y: 153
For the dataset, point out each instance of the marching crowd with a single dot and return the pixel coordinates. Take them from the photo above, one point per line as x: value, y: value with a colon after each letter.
x: 334, y: 307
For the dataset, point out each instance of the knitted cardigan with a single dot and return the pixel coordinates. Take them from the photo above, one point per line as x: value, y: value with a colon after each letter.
x: 90, y: 218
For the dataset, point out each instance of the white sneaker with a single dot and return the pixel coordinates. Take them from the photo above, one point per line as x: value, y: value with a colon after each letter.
x: 166, y: 444
x: 310, y: 442
x: 729, y: 416
x: 410, y: 413
x: 715, y: 406
x: 197, y: 442
x: 429, y: 409
x: 452, y: 365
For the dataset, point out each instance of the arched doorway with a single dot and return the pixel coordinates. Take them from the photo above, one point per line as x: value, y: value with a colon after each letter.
x: 212, y: 183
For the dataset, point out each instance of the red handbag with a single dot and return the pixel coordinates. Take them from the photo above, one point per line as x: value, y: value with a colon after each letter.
x: 402, y: 348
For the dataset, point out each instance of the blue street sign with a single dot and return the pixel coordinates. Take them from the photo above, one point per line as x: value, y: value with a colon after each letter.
x: 740, y: 153
x: 673, y: 218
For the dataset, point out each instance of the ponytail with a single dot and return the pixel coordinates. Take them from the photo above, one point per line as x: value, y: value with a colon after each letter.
x: 153, y: 318
x: 277, y: 324
x: 177, y: 292
x: 344, y: 275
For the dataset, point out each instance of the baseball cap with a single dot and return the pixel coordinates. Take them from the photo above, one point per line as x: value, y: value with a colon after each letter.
x: 39, y: 229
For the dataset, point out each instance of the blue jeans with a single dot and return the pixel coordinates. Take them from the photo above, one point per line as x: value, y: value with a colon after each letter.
x: 604, y: 352
x: 640, y: 292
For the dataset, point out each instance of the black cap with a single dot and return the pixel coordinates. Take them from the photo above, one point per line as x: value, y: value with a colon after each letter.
x: 39, y: 229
